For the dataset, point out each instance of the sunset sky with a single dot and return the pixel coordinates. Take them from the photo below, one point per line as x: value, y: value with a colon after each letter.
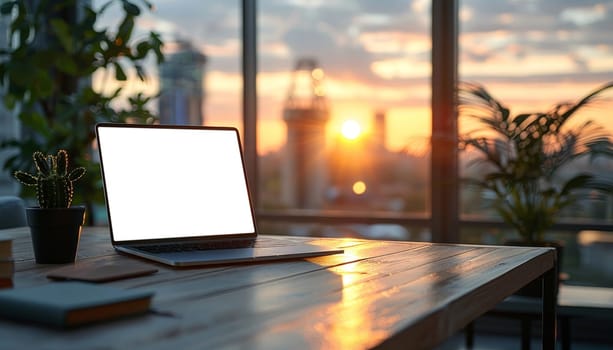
x: 530, y: 54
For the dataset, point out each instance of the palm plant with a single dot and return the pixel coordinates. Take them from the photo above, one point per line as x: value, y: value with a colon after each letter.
x: 523, y: 156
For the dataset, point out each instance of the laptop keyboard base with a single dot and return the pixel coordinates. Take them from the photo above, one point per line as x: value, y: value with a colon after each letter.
x: 189, y: 247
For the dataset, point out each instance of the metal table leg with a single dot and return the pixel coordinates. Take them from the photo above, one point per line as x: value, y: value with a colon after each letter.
x: 550, y: 280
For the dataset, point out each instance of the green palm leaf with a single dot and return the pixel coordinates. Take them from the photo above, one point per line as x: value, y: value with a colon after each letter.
x: 523, y: 155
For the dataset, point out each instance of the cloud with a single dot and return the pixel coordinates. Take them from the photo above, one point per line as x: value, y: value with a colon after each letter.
x: 368, y: 41
x: 348, y: 38
x: 323, y: 32
x: 512, y: 36
x: 386, y: 43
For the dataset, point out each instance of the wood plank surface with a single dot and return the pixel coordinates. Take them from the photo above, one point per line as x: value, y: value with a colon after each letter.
x: 377, y: 294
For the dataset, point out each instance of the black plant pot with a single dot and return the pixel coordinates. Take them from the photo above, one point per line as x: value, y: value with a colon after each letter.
x: 534, y: 288
x: 55, y: 233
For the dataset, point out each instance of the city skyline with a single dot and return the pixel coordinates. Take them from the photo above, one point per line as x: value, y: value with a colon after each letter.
x: 529, y: 54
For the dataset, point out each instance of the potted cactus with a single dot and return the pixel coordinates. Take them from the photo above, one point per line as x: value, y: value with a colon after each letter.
x: 55, y: 226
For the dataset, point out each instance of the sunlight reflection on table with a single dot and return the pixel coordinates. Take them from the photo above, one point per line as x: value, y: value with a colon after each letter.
x: 349, y: 324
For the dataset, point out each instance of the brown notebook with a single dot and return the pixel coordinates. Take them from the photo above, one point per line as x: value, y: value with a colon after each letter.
x: 101, y: 271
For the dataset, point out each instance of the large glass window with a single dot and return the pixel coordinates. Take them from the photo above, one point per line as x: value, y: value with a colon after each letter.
x: 344, y: 117
x: 532, y: 55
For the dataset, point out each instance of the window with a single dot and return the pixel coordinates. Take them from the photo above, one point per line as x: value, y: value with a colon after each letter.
x: 532, y: 55
x: 344, y: 112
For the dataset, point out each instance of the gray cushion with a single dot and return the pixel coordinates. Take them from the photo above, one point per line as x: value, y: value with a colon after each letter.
x: 12, y: 212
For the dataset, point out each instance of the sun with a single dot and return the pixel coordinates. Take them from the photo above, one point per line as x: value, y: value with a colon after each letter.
x: 351, y: 129
x: 359, y: 188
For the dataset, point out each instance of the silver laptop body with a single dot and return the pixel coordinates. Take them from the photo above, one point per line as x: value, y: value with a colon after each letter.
x: 178, y: 195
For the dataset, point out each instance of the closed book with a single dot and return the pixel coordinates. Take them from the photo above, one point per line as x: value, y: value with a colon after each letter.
x: 7, y: 268
x: 6, y: 250
x: 70, y: 304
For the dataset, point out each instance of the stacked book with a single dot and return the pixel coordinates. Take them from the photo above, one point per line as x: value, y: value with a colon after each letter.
x: 7, y: 265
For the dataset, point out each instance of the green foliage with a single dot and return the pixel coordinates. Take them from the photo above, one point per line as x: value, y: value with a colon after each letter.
x: 54, y: 184
x: 57, y: 46
x: 523, y: 155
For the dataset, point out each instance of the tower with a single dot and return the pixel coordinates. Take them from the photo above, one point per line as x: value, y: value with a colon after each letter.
x: 304, y: 169
x: 181, y: 91
x: 379, y: 134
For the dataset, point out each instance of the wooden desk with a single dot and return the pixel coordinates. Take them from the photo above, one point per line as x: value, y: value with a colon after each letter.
x: 377, y: 294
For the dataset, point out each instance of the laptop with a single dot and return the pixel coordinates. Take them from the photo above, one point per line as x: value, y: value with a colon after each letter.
x: 178, y: 195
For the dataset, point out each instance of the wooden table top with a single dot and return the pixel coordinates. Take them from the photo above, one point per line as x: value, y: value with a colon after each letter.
x: 377, y: 294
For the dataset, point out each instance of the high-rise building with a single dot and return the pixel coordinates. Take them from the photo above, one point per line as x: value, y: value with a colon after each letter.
x: 10, y: 125
x: 379, y: 134
x: 182, y: 93
x: 304, y: 170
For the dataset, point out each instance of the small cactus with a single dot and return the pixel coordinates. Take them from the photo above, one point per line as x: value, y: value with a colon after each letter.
x: 54, y: 184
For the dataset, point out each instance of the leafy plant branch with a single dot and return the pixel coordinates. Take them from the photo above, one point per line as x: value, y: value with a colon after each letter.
x: 522, y: 156
x: 47, y: 75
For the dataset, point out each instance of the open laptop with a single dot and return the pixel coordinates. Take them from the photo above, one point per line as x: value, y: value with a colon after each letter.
x: 178, y: 195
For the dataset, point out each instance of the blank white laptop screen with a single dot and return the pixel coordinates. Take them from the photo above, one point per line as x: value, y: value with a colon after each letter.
x: 169, y: 183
